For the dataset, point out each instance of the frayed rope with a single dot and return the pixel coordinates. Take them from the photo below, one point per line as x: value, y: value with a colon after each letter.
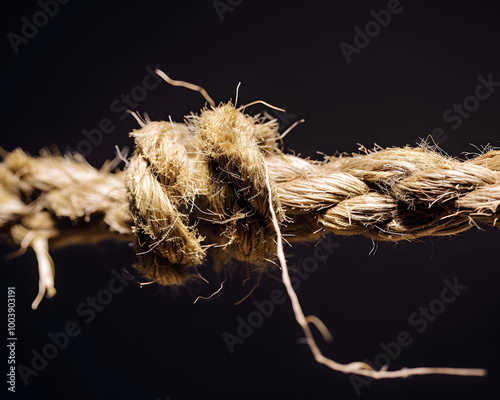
x: 219, y: 184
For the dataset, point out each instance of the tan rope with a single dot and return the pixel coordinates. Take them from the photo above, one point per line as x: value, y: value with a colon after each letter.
x: 218, y: 184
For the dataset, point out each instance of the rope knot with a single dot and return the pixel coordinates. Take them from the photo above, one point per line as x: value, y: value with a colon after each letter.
x: 206, y: 176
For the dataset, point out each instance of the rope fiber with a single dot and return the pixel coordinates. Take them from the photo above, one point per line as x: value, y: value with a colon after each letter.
x: 218, y: 184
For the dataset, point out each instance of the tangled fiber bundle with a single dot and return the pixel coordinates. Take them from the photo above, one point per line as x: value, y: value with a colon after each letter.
x: 219, y: 184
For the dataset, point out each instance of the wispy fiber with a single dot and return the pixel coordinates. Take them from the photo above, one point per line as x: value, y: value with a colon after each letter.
x: 219, y: 183
x: 198, y: 187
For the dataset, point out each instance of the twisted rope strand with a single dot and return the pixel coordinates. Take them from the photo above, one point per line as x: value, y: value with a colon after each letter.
x: 218, y: 184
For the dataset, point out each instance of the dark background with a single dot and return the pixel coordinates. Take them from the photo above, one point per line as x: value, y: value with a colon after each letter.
x: 151, y: 343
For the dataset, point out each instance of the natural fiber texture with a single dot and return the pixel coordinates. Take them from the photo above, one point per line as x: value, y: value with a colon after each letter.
x: 219, y: 184
x: 199, y: 187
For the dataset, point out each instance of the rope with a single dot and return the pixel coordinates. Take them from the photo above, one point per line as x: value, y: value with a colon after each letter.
x: 219, y: 184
